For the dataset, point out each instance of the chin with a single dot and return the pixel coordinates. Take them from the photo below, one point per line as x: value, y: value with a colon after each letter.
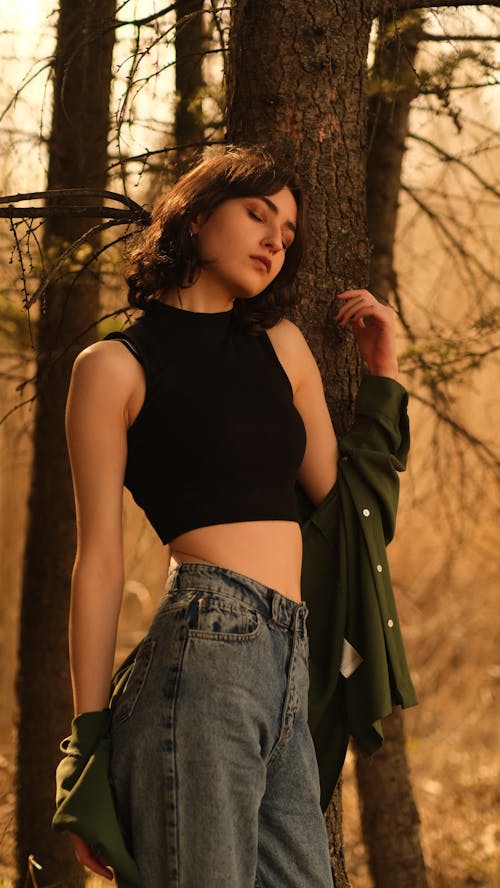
x: 253, y: 292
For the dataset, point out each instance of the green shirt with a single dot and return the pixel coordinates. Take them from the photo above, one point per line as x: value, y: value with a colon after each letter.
x: 353, y: 624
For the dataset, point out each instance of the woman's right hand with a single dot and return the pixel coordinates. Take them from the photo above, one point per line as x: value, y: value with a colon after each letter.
x: 85, y: 856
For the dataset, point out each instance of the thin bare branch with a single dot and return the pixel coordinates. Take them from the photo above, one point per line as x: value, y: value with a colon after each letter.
x: 491, y: 457
x: 406, y: 5
x: 82, y: 333
x: 85, y: 238
x: 449, y: 38
x: 452, y: 158
x: 139, y: 23
x: 16, y: 407
x: 455, y: 243
x: 24, y: 84
x: 139, y: 158
x: 440, y: 90
x: 72, y: 192
x: 21, y: 263
x: 123, y: 216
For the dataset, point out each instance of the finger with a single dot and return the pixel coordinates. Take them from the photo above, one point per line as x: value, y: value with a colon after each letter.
x: 349, y: 294
x: 370, y: 304
x: 349, y: 306
x: 85, y: 857
x: 92, y: 863
x: 353, y: 309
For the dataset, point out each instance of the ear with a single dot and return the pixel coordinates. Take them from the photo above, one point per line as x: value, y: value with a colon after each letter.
x: 197, y: 223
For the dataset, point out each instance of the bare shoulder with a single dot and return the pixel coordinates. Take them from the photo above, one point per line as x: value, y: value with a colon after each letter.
x: 108, y: 372
x: 108, y: 359
x: 293, y: 351
x: 109, y: 354
x: 287, y: 333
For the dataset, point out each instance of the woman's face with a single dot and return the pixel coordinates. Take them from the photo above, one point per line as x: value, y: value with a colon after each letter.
x: 245, y: 240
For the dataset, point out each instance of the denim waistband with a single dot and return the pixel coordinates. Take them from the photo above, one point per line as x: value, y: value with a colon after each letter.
x: 197, y: 576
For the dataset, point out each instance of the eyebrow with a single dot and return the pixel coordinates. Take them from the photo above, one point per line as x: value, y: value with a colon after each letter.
x: 272, y: 206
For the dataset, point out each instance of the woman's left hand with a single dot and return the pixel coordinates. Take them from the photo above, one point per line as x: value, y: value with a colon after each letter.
x: 376, y: 339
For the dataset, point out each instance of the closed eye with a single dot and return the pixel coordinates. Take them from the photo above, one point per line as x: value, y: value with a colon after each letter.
x: 259, y: 219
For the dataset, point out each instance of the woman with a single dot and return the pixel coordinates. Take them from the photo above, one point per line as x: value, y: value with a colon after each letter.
x: 209, y: 415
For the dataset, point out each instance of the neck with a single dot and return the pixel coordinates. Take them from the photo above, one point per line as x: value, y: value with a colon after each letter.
x: 198, y: 297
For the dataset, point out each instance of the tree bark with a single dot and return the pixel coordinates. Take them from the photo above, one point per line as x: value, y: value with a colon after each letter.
x: 15, y: 447
x: 78, y: 157
x: 298, y: 85
x: 393, y: 86
x: 189, y: 48
x: 389, y: 815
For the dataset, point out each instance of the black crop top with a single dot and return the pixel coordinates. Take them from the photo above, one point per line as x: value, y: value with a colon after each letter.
x: 218, y: 438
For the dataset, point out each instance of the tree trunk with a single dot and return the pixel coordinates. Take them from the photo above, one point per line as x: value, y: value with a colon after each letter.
x: 389, y: 814
x: 189, y: 48
x: 298, y: 85
x: 16, y: 450
x: 393, y: 86
x: 78, y: 157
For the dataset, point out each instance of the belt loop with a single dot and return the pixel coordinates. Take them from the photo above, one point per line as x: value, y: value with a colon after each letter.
x: 274, y: 610
x: 300, y: 619
x: 175, y: 580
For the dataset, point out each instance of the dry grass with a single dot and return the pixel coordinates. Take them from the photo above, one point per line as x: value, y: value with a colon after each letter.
x: 457, y: 792
x: 457, y: 799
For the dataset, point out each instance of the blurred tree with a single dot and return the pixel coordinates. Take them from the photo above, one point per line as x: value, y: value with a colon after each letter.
x: 389, y: 815
x: 189, y: 125
x: 77, y: 157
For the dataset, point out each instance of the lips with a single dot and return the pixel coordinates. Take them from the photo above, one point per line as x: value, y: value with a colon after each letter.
x: 264, y: 262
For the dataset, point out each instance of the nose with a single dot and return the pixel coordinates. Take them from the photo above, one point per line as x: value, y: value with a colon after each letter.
x: 273, y: 239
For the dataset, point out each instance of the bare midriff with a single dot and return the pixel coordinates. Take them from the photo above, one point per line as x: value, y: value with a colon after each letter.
x: 267, y: 551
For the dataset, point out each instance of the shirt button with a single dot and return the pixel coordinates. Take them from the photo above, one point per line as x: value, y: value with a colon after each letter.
x: 390, y: 623
x: 379, y: 568
x: 366, y: 512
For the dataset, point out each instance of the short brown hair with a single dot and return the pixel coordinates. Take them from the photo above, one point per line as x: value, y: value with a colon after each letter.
x: 165, y: 253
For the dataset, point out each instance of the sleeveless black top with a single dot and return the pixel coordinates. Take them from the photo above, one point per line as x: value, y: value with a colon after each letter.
x: 218, y: 438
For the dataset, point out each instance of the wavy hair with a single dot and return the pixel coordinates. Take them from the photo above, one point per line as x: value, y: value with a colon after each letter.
x: 165, y: 255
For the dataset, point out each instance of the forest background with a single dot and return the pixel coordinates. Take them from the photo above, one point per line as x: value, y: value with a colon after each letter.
x: 445, y: 557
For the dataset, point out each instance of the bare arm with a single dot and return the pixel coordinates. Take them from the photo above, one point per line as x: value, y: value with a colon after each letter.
x: 377, y: 343
x: 318, y: 470
x: 102, y: 381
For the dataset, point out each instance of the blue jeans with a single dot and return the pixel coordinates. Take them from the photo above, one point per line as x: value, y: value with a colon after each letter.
x: 213, y: 765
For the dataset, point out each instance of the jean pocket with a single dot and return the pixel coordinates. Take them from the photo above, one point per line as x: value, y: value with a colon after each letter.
x: 219, y: 618
x: 124, y: 705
